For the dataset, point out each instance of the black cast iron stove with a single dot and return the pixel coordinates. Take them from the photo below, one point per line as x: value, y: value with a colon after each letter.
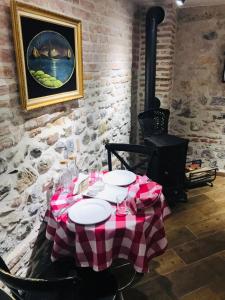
x: 168, y: 162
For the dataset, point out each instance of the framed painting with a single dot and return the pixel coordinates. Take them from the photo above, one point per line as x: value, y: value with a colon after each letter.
x: 49, y: 55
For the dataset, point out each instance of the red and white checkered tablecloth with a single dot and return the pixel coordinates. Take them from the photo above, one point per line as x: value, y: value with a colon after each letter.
x: 136, y: 237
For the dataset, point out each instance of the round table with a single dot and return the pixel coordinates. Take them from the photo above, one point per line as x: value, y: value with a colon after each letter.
x: 137, y: 237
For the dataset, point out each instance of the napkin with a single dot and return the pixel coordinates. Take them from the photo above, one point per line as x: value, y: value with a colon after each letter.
x: 148, y: 194
x: 106, y: 192
x: 143, y: 194
x: 80, y: 183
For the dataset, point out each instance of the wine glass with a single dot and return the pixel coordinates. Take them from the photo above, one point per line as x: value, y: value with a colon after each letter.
x: 99, y: 183
x: 72, y: 165
x: 121, y: 206
x: 65, y: 177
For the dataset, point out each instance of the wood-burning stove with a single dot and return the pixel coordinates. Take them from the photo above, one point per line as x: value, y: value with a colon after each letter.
x: 168, y: 162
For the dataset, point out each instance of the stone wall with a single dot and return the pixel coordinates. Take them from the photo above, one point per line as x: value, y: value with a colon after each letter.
x: 198, y: 104
x: 164, y: 59
x: 31, y: 143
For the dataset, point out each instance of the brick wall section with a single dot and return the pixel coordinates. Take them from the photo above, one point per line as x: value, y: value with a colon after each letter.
x: 164, y: 63
x: 135, y: 74
x: 165, y: 56
x: 30, y: 141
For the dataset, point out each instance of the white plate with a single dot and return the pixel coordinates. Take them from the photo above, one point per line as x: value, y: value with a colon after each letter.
x: 119, y: 177
x: 107, y: 192
x: 90, y: 211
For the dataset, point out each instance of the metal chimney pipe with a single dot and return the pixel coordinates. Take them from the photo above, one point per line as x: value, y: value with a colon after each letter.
x: 155, y: 15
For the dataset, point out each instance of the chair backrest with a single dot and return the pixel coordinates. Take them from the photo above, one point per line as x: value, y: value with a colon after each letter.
x: 142, y: 150
x: 5, y: 296
x: 154, y: 122
x: 16, y: 284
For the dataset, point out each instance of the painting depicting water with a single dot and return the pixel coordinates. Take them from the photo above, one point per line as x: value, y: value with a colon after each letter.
x: 50, y: 59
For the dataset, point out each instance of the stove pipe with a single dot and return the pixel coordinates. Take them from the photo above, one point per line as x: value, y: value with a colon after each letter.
x: 155, y: 15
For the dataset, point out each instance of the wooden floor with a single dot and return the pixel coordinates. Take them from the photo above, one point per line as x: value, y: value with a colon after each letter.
x: 193, y: 267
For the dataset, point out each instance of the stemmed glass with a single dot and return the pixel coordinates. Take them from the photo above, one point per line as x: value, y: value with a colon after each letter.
x: 121, y: 206
x: 99, y: 183
x: 72, y: 165
x: 65, y: 177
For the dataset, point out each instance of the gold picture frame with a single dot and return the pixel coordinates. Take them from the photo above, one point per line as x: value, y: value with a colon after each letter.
x: 48, y: 50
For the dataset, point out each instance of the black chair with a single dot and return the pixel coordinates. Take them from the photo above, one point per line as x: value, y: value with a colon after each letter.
x: 5, y: 296
x: 140, y: 166
x: 125, y: 275
x: 98, y: 285
x: 68, y: 287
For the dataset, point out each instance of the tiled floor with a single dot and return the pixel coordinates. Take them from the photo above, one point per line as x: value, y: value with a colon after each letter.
x: 193, y: 267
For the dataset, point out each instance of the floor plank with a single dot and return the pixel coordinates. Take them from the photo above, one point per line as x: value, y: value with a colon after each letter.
x: 210, y: 226
x: 179, y: 236
x: 204, y: 293
x: 201, y: 248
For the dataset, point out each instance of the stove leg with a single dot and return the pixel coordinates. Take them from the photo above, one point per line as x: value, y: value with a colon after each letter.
x: 174, y: 196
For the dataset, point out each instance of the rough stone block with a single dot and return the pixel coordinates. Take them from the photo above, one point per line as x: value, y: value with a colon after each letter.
x: 52, y: 139
x: 34, y: 132
x: 44, y: 165
x: 6, y: 143
x: 217, y: 101
x: 25, y: 178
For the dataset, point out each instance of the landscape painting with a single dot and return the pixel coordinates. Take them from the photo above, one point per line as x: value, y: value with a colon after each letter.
x: 50, y: 59
x: 49, y: 56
